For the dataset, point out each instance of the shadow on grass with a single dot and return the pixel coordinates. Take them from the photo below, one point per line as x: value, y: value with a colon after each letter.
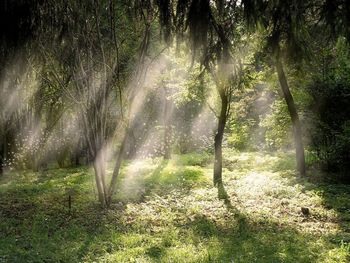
x: 40, y: 233
x: 91, y: 234
x: 223, y: 195
x: 334, y: 196
x: 41, y: 230
x: 247, y: 240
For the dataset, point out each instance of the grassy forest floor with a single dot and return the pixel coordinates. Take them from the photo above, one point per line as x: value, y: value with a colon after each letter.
x: 168, y: 211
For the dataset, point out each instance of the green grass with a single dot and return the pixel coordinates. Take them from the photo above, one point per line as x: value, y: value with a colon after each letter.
x: 168, y: 211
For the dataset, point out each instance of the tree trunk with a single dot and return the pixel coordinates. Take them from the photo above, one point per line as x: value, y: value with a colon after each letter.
x: 217, y: 178
x: 2, y: 161
x: 77, y: 159
x: 116, y: 170
x: 167, y: 148
x: 299, y: 148
x: 167, y: 127
x: 77, y: 154
x: 4, y: 154
x: 100, y: 173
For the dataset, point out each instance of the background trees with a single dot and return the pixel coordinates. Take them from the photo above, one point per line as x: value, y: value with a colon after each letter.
x: 285, y: 30
x: 329, y: 89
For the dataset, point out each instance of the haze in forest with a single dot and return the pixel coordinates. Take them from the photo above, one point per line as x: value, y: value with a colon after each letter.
x: 174, y: 131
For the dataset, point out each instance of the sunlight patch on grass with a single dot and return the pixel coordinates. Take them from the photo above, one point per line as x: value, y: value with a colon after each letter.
x: 179, y: 217
x: 193, y: 159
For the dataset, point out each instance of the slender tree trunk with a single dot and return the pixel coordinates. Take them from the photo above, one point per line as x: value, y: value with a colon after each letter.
x: 217, y: 178
x: 2, y: 141
x: 77, y: 159
x: 100, y: 173
x: 116, y: 170
x: 99, y: 186
x: 1, y: 156
x: 299, y: 148
x: 77, y: 153
x: 167, y: 147
x: 167, y: 127
x: 4, y: 150
x: 103, y: 169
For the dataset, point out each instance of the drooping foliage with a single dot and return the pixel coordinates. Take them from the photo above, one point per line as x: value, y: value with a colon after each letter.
x: 285, y: 23
x: 336, y: 16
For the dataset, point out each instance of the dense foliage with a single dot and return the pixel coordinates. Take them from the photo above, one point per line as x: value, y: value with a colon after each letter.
x: 330, y: 91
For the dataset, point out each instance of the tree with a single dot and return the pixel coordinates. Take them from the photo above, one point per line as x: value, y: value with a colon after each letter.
x: 284, y: 26
x: 297, y: 132
x: 214, y: 30
x: 94, y: 45
x: 329, y: 88
x: 17, y: 29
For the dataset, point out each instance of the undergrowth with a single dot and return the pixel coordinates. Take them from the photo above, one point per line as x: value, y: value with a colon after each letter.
x: 168, y: 211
